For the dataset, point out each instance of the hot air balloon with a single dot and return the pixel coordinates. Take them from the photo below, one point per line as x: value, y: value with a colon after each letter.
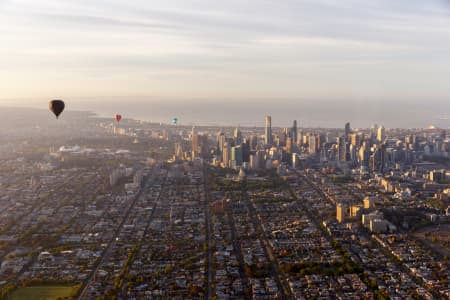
x: 118, y: 118
x: 175, y: 121
x: 56, y: 106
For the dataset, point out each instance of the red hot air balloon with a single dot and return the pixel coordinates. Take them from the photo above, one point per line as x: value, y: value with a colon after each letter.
x: 118, y: 118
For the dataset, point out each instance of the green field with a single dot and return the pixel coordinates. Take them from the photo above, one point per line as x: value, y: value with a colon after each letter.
x: 50, y: 292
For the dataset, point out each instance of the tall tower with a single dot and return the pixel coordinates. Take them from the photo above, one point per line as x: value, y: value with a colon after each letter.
x: 347, y: 130
x: 380, y: 134
x: 294, y: 132
x: 268, y: 131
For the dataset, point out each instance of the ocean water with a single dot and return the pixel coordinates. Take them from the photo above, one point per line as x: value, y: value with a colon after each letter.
x: 308, y: 113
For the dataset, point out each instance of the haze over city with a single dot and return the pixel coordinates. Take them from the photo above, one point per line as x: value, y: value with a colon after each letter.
x: 175, y: 57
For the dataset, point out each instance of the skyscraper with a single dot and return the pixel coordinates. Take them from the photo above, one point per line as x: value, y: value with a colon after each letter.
x: 364, y: 155
x: 221, y: 139
x: 195, y: 143
x: 373, y: 131
x: 226, y: 154
x: 289, y: 145
x: 294, y: 132
x: 378, y: 159
x: 253, y: 162
x: 245, y: 150
x: 342, y: 149
x: 312, y: 144
x: 319, y: 141
x: 300, y: 138
x: 253, y: 142
x: 347, y: 130
x: 355, y: 139
x: 237, y: 136
x: 353, y: 153
x: 203, y: 145
x: 282, y: 137
x: 178, y: 150
x: 380, y: 134
x: 268, y: 131
x: 236, y: 155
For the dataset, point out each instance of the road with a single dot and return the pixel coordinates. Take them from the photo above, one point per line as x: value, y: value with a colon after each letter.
x: 238, y: 252
x: 147, y: 227
x: 279, y: 276
x: 110, y: 243
x: 209, y: 251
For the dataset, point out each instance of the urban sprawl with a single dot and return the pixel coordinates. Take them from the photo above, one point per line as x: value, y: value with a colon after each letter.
x: 136, y: 210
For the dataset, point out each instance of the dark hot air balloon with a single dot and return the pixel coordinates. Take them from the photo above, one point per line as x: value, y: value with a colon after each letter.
x: 118, y: 118
x: 57, y: 107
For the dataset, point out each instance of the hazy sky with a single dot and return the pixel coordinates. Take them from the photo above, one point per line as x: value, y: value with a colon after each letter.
x: 192, y: 49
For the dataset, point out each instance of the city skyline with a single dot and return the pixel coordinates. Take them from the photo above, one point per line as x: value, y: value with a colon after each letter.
x: 95, y: 208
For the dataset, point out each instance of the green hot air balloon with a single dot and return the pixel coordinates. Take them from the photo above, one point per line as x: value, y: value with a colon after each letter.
x: 57, y: 107
x: 175, y: 121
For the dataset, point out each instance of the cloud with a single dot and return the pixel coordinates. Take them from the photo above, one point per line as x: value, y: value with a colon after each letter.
x: 96, y: 21
x: 352, y: 47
